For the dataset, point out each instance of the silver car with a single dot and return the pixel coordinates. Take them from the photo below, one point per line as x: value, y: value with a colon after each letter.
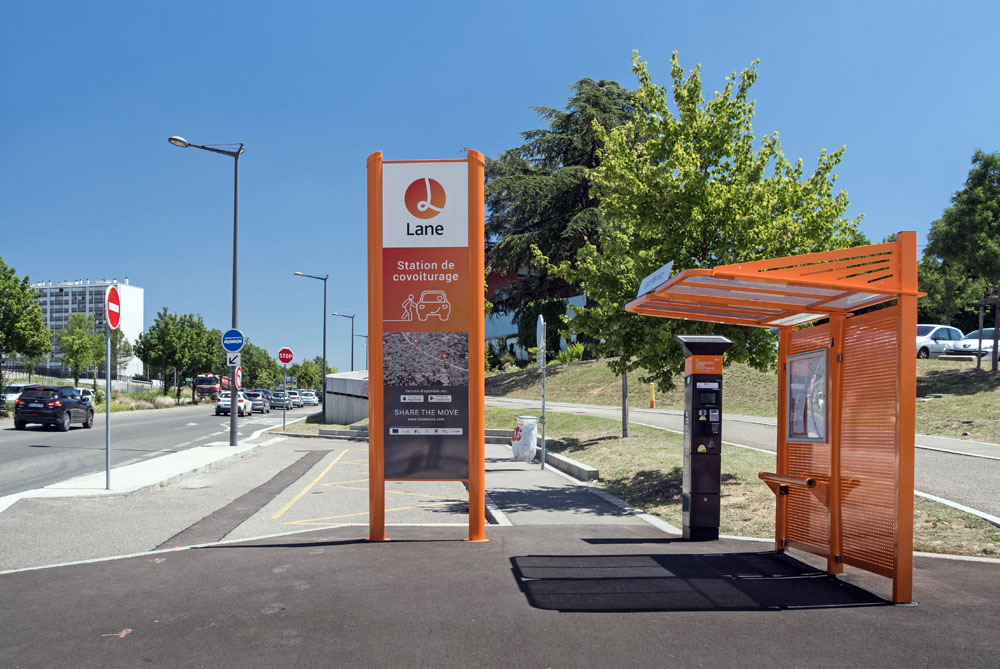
x: 970, y: 345
x: 259, y: 402
x: 296, y: 398
x: 933, y: 340
x: 280, y: 400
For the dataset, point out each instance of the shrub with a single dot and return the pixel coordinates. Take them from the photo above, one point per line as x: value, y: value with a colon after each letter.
x: 572, y: 353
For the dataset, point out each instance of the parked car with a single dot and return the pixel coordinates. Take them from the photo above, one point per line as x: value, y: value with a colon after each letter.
x: 88, y: 394
x: 309, y: 398
x: 259, y: 402
x: 280, y: 400
x: 52, y: 405
x: 932, y: 340
x: 296, y: 398
x: 969, y: 345
x: 242, y: 403
x: 11, y: 392
x: 264, y: 391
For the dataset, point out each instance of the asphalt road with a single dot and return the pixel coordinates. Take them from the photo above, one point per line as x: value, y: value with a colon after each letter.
x: 39, y: 456
x: 970, y: 480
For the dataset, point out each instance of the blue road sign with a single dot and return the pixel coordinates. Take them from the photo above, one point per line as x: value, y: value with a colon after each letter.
x: 232, y: 340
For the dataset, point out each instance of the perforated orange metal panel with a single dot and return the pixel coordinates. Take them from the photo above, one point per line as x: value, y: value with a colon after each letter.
x: 869, y: 440
x: 808, y: 520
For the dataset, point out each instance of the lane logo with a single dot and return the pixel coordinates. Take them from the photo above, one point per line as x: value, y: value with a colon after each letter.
x: 425, y: 198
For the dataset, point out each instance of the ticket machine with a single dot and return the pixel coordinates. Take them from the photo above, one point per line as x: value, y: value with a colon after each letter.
x: 702, y: 434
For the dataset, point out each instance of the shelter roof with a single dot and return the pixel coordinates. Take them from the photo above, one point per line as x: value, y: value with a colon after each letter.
x: 780, y: 292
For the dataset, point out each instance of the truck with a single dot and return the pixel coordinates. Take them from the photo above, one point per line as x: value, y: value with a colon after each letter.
x: 209, y: 386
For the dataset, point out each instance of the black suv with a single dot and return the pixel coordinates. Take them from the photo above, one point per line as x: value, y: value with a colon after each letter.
x: 52, y: 405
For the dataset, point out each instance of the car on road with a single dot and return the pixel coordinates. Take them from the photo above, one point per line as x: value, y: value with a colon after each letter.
x: 57, y: 406
x: 309, y: 398
x: 969, y: 345
x: 258, y: 402
x: 932, y: 340
x: 11, y: 392
x: 87, y: 394
x: 296, y: 398
x: 242, y: 404
x: 280, y: 400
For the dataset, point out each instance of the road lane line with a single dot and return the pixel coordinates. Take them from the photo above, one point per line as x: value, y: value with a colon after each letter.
x: 310, y: 486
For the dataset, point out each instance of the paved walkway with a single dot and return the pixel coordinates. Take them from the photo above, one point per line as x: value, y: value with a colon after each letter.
x: 574, y: 580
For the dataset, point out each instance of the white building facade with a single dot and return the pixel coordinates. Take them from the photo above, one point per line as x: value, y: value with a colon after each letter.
x: 59, y: 300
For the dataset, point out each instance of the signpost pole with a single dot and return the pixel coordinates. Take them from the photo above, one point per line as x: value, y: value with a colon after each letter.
x: 284, y: 405
x: 107, y: 405
x: 542, y: 354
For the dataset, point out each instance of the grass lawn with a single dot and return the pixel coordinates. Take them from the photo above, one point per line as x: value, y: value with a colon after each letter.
x: 645, y: 470
x: 311, y: 425
x: 970, y: 401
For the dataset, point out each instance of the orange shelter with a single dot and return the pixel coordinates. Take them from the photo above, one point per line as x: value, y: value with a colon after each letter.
x: 846, y: 392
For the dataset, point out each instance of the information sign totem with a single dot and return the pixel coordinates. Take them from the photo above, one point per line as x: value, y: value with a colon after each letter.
x: 425, y: 264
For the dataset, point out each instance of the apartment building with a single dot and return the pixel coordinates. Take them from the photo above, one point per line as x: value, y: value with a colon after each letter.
x: 59, y: 300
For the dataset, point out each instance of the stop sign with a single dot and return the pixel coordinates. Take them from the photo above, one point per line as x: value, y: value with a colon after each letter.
x: 112, y: 307
x: 285, y: 356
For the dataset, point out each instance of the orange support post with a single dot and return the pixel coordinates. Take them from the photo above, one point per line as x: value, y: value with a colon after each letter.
x: 834, y: 559
x: 477, y: 344
x: 376, y: 468
x: 902, y: 583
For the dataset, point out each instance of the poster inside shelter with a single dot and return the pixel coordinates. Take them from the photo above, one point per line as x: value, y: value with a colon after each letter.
x: 425, y: 319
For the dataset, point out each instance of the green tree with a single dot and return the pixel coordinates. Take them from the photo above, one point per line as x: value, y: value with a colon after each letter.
x: 968, y: 233
x: 178, y: 346
x: 121, y: 351
x: 539, y: 193
x: 690, y: 186
x: 258, y: 367
x: 22, y: 327
x: 952, y: 294
x: 307, y: 374
x: 553, y: 312
x: 80, y: 346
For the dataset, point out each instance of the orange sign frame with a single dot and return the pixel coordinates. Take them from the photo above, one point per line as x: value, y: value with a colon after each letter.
x: 474, y: 295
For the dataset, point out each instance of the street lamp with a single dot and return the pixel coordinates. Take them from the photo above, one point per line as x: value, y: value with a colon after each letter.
x: 365, y: 337
x: 351, y: 316
x: 323, y: 279
x: 235, y: 155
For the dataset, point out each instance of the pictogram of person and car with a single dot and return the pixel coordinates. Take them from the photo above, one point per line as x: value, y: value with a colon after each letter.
x: 431, y: 303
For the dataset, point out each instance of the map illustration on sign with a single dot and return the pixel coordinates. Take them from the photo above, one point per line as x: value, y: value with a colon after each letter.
x: 431, y: 303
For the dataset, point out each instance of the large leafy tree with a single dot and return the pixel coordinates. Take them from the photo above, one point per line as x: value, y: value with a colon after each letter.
x: 539, y: 193
x: 80, y: 345
x: 22, y: 326
x: 967, y: 236
x: 692, y: 185
x: 178, y: 346
x: 952, y: 291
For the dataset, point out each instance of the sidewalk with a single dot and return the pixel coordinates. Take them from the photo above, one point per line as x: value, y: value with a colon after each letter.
x: 573, y: 580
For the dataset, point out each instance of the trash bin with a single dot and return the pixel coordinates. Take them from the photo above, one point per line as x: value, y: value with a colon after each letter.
x: 524, y: 441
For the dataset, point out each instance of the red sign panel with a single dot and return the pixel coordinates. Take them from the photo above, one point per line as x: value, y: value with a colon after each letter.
x: 112, y: 307
x: 285, y: 356
x: 239, y: 378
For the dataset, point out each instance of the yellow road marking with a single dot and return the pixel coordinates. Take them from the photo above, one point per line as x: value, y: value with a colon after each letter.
x: 397, y: 492
x: 319, y: 521
x: 337, y: 483
x: 309, y: 487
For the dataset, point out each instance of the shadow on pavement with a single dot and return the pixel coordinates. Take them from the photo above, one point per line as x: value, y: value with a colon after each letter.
x: 768, y: 581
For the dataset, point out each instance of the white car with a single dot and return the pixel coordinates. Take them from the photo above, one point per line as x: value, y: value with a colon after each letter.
x: 295, y: 397
x: 242, y: 404
x: 87, y: 394
x: 309, y: 398
x: 11, y: 392
x: 970, y: 344
x: 932, y: 340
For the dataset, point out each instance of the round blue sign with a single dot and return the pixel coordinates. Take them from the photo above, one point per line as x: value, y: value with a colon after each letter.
x: 232, y: 340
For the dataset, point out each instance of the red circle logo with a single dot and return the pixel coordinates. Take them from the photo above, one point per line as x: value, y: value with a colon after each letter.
x: 424, y: 198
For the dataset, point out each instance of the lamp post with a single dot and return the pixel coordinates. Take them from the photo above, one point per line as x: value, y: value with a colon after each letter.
x: 323, y: 375
x: 365, y: 337
x: 235, y: 155
x: 351, y: 316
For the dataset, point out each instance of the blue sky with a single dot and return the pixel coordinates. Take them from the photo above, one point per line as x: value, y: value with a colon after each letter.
x: 89, y: 93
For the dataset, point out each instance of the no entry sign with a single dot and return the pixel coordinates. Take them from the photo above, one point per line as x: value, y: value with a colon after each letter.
x: 112, y: 307
x: 285, y: 356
